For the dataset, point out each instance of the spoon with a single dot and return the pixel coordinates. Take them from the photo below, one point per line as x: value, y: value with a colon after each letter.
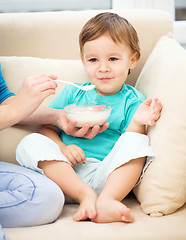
x: 84, y: 88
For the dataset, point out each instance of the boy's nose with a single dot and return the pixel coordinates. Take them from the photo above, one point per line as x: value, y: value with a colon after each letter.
x: 103, y: 67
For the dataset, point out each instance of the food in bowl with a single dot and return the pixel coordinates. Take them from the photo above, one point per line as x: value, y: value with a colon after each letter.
x: 93, y: 113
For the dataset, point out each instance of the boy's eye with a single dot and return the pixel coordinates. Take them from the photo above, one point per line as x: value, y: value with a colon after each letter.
x: 93, y: 60
x: 112, y: 59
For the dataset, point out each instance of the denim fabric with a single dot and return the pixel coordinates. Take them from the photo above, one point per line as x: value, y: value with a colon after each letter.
x: 2, y: 234
x: 27, y: 198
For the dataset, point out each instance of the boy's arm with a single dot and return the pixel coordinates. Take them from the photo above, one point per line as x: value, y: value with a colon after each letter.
x: 72, y: 152
x: 147, y: 114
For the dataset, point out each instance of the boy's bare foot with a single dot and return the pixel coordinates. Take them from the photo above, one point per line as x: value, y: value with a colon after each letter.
x: 111, y: 210
x: 87, y: 208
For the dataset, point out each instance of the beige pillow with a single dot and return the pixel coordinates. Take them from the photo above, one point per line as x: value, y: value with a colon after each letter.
x: 163, y: 188
x: 15, y: 69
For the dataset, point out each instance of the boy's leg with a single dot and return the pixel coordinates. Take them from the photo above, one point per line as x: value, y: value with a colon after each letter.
x: 72, y: 186
x: 49, y: 160
x: 119, y: 183
x: 117, y: 175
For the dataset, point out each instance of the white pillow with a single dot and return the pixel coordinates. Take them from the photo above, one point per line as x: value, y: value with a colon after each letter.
x: 163, y: 188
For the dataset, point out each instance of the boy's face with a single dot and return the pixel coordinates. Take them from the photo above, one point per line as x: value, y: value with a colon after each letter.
x: 107, y: 64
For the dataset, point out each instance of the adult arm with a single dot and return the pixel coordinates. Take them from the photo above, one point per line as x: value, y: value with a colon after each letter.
x: 46, y: 115
x: 32, y: 93
x: 24, y: 108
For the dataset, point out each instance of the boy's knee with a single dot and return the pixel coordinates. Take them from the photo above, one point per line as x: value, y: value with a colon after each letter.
x: 26, y: 150
x: 30, y: 140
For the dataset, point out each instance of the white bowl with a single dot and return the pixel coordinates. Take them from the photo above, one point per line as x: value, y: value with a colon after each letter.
x: 93, y: 113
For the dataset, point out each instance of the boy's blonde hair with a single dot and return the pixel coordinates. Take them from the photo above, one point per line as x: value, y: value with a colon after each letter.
x: 119, y: 29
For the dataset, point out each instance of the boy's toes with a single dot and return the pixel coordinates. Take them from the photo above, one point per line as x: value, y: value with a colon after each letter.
x: 80, y: 215
x: 84, y: 214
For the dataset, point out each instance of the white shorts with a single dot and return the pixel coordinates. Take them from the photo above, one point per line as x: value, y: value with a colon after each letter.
x: 36, y: 147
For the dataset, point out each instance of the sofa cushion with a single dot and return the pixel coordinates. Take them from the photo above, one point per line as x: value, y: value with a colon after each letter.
x: 163, y: 188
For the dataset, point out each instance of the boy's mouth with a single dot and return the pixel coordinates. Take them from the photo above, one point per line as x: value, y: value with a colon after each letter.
x: 105, y: 79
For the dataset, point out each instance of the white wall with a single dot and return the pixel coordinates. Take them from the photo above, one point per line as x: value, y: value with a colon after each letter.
x: 165, y: 5
x: 49, y: 5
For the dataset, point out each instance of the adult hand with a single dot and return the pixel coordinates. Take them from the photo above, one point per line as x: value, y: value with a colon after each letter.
x: 69, y: 128
x: 85, y: 131
x: 33, y: 92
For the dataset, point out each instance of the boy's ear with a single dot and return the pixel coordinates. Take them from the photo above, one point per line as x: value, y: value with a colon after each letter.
x: 134, y: 59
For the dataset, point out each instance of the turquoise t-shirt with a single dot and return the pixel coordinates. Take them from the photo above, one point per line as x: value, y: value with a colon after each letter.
x: 125, y: 104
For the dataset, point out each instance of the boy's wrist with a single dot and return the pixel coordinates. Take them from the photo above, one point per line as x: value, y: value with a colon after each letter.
x: 136, y: 127
x: 137, y: 124
x: 62, y: 147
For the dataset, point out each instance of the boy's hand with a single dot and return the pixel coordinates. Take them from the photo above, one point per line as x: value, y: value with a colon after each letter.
x: 74, y: 154
x: 148, y: 112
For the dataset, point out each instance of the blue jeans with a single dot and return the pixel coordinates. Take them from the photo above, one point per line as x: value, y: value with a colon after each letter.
x: 2, y: 234
x: 27, y: 198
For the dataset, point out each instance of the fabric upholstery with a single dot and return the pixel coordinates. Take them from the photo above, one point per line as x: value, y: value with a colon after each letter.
x: 168, y: 227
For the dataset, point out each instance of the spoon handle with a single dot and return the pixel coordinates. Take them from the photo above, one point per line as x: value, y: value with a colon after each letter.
x: 62, y: 81
x: 84, y: 88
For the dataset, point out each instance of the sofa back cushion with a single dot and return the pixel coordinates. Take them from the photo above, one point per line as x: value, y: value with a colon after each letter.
x: 55, y: 34
x: 163, y: 187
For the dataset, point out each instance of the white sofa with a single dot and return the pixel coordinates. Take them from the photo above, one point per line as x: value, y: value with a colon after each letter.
x: 47, y: 42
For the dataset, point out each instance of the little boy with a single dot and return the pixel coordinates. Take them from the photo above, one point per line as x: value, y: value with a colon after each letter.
x: 114, y: 159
